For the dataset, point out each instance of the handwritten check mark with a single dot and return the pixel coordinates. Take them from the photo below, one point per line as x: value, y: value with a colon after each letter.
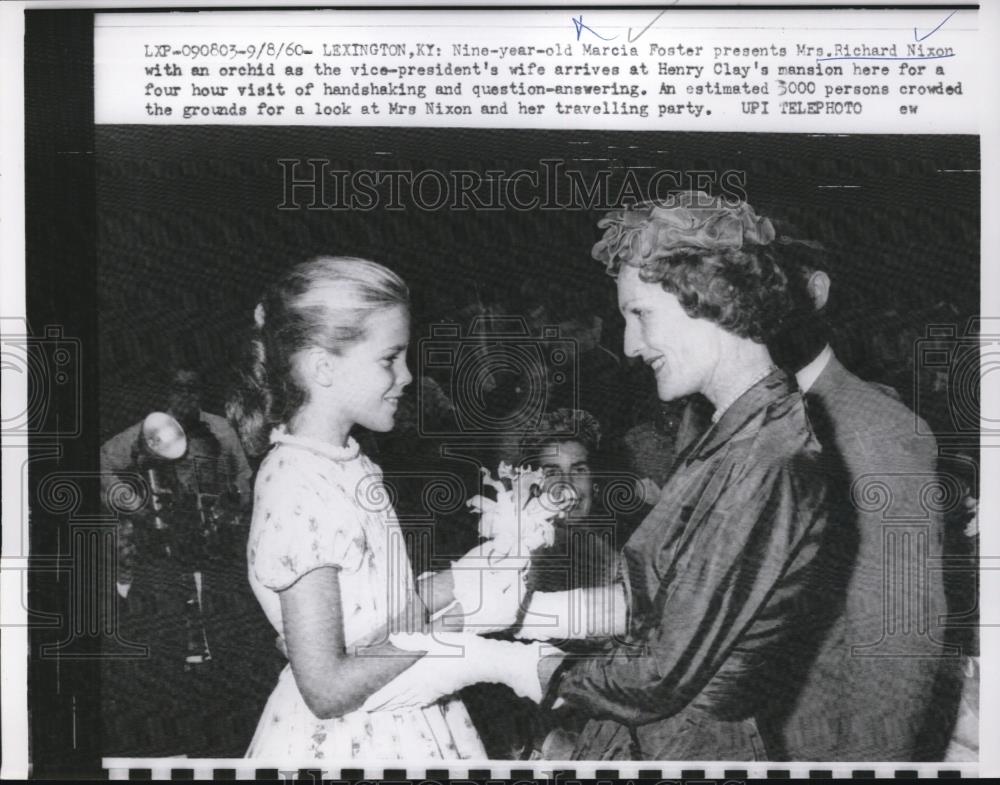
x: 917, y: 37
x: 633, y: 38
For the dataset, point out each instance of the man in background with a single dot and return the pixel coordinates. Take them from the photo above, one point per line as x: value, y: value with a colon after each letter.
x: 875, y: 688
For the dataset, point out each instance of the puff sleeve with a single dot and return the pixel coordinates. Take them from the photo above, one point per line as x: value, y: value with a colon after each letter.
x: 300, y: 526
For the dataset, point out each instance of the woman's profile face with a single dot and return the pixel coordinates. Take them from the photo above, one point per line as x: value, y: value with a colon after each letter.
x: 682, y: 351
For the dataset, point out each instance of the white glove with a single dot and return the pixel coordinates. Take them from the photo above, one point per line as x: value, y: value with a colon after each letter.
x: 596, y: 612
x: 488, y: 585
x: 454, y: 661
x: 489, y: 580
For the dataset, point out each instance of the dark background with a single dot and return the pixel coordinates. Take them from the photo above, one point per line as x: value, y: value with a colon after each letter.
x: 189, y: 230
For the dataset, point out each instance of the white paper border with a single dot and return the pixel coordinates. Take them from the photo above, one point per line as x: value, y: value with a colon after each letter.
x: 13, y: 635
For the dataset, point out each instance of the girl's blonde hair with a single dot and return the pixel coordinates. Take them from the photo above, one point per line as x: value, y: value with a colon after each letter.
x: 323, y: 302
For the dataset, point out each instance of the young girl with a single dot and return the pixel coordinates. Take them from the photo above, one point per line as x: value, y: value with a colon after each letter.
x: 326, y: 559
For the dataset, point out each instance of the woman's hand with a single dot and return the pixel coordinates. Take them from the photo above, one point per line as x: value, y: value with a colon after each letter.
x: 596, y: 612
x: 488, y: 585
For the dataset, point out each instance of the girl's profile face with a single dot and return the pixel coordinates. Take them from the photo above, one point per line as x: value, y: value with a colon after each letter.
x: 372, y: 373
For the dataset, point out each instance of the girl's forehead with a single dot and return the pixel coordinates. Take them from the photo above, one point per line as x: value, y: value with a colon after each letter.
x: 388, y: 324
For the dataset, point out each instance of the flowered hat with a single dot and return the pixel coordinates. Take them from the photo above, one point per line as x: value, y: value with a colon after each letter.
x: 684, y: 221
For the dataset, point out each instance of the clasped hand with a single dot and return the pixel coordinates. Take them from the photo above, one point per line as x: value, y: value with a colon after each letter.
x: 453, y: 661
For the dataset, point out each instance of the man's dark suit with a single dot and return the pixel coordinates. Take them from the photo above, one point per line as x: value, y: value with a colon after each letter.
x: 872, y: 689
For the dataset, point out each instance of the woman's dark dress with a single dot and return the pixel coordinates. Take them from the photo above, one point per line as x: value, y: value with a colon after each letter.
x: 721, y: 580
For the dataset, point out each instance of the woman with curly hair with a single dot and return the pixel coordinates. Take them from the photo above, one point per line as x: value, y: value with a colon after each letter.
x: 719, y: 578
x: 719, y: 584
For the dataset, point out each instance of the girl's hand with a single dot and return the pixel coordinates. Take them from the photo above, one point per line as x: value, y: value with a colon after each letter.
x: 455, y: 661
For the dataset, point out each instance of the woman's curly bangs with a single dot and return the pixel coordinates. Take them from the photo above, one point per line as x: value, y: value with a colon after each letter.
x: 745, y: 292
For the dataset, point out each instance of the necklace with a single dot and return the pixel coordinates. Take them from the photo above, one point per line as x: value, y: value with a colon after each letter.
x: 727, y: 402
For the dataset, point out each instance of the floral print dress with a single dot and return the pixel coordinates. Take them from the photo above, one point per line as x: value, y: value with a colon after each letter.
x: 318, y: 505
